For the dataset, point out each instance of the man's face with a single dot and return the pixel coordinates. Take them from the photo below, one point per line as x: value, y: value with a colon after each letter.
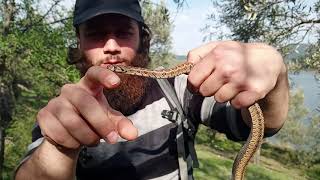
x: 114, y: 39
x: 109, y: 39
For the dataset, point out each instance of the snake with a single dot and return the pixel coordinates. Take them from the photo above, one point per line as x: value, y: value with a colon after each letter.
x: 255, y: 137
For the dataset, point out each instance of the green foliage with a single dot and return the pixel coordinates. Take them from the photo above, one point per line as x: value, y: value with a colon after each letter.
x: 314, y: 171
x: 313, y: 60
x: 33, y: 63
x: 33, y: 67
x: 299, y: 145
x: 215, y: 167
x: 312, y: 148
x: 301, y: 133
x: 212, y: 166
x: 273, y: 22
x: 208, y: 137
x: 293, y: 132
x: 281, y: 154
x: 310, y: 60
x: 205, y: 135
x: 18, y: 137
x: 157, y: 18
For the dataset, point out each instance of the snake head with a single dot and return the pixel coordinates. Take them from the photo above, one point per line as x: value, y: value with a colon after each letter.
x: 117, y: 68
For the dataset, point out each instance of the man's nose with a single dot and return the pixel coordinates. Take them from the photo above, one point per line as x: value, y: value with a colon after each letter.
x: 111, y: 46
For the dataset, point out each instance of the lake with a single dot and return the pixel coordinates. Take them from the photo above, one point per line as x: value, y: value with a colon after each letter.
x: 306, y: 81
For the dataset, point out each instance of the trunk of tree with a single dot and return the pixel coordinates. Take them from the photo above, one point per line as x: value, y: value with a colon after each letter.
x: 256, y: 158
x: 2, y: 138
x: 257, y: 155
x: 6, y: 107
x: 8, y: 9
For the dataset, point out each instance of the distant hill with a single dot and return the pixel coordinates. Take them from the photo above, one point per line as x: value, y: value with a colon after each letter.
x: 297, y: 52
x: 181, y: 57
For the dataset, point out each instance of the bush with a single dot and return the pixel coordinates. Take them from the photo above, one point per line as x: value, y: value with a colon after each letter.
x: 215, y: 140
x: 314, y: 172
x: 284, y: 155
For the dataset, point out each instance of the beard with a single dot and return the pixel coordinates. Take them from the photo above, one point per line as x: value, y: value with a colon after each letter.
x: 129, y: 95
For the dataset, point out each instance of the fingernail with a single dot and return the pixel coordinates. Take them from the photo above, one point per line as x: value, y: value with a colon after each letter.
x: 112, y: 137
x: 114, y: 80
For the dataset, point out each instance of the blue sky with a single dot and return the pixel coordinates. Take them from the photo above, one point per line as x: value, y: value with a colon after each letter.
x: 187, y: 24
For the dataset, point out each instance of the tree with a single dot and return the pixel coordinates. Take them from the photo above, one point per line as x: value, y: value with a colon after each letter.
x: 33, y: 66
x: 28, y: 42
x: 157, y: 18
x: 313, y: 147
x: 293, y: 133
x: 312, y: 61
x: 277, y: 22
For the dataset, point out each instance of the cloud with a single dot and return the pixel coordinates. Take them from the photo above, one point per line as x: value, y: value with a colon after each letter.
x: 187, y: 24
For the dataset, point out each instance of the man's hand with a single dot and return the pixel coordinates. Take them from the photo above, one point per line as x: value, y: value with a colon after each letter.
x: 242, y: 74
x: 81, y: 115
x: 234, y: 71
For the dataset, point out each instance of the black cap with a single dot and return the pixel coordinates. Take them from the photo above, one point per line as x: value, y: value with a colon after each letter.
x: 87, y: 9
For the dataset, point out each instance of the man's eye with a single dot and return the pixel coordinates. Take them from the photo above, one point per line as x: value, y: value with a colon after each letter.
x: 94, y: 34
x: 124, y: 34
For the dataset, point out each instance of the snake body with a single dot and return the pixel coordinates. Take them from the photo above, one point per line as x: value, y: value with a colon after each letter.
x: 257, y: 126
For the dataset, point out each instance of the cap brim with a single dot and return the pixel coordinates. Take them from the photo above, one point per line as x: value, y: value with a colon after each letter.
x: 91, y: 13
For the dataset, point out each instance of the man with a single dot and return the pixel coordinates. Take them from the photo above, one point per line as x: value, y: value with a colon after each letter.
x: 108, y: 126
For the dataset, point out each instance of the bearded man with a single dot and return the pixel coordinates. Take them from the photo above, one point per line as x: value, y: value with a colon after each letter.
x: 109, y: 126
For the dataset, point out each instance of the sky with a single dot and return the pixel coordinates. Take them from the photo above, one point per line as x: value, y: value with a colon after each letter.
x: 187, y: 24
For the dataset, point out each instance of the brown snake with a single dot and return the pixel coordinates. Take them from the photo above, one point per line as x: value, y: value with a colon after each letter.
x: 257, y: 126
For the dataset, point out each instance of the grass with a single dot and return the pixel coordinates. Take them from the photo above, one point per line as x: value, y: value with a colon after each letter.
x: 216, y: 167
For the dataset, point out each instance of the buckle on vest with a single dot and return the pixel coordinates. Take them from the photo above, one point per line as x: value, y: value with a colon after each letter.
x: 170, y: 115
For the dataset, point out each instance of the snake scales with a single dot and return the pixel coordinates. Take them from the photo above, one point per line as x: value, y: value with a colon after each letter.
x: 257, y: 126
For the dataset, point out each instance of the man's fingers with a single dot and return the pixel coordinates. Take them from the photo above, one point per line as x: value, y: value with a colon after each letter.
x: 197, y: 54
x: 200, y: 72
x: 51, y: 127
x: 127, y: 130
x: 93, y: 112
x: 245, y: 99
x: 97, y: 77
x: 211, y: 85
x: 77, y: 127
x: 226, y: 93
x: 124, y: 126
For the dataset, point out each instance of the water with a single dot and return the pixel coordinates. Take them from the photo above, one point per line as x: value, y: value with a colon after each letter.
x: 306, y: 81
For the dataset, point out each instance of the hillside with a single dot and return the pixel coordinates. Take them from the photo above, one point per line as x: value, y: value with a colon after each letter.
x: 296, y: 52
x: 217, y: 167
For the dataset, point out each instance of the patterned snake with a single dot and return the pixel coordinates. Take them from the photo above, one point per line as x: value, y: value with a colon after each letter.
x: 257, y: 126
